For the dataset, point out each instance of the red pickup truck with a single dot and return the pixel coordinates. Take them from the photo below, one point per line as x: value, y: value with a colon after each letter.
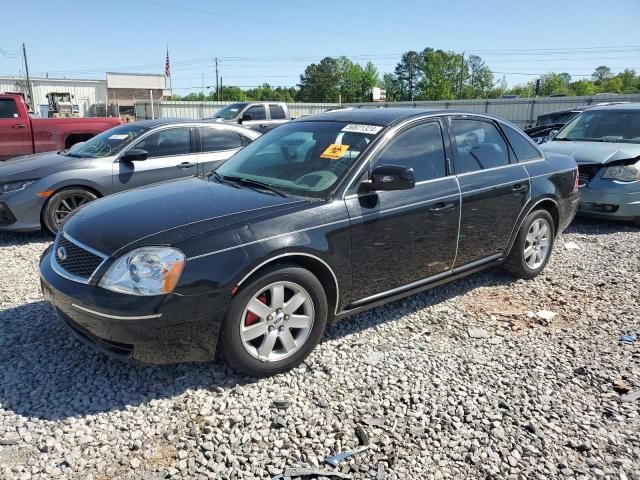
x: 22, y: 134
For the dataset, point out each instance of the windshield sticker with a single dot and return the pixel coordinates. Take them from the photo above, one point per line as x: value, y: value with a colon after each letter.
x: 334, y: 151
x: 119, y: 137
x: 360, y: 128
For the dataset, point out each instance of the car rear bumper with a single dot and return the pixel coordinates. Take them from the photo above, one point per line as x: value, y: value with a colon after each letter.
x: 149, y: 330
x: 609, y: 204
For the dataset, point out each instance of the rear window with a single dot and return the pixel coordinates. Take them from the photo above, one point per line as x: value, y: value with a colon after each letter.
x: 8, y: 108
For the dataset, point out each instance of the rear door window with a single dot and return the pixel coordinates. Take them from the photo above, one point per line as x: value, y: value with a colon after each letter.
x: 479, y: 145
x: 218, y: 139
x: 277, y: 112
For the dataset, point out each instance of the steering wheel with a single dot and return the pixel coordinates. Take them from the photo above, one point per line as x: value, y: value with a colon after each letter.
x: 317, y: 177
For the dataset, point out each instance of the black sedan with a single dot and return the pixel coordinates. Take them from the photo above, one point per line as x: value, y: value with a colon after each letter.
x: 314, y: 221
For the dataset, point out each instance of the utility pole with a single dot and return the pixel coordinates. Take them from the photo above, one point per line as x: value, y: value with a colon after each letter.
x: 461, y: 75
x: 217, y: 85
x: 29, y: 86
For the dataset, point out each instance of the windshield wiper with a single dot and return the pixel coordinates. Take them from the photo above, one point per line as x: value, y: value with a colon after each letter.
x: 251, y: 183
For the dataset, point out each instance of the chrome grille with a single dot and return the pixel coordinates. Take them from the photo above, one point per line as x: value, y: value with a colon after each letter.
x: 74, y: 259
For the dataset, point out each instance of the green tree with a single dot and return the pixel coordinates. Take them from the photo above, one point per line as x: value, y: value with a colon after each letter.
x: 440, y: 74
x: 480, y: 80
x: 601, y: 73
x: 392, y: 87
x: 320, y: 82
x: 406, y: 74
x: 582, y: 88
x: 554, y: 84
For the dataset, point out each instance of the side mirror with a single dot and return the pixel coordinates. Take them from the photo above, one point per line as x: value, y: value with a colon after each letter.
x: 245, y: 118
x: 391, y: 177
x: 135, y: 155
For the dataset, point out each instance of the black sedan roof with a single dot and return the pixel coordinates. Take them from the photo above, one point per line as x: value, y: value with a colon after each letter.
x: 374, y: 116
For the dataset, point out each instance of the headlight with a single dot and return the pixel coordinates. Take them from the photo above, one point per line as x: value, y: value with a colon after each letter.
x: 145, y: 271
x: 14, y: 186
x: 626, y: 173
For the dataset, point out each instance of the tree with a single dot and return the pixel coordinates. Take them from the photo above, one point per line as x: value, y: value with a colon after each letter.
x: 601, y: 73
x: 392, y: 87
x: 320, y: 82
x: 440, y: 74
x: 406, y: 74
x: 582, y: 88
x: 554, y: 84
x: 480, y: 80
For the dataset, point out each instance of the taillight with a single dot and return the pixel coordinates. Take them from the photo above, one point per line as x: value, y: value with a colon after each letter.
x: 576, y: 185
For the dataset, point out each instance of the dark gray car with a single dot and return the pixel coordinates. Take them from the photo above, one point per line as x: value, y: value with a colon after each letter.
x: 41, y: 190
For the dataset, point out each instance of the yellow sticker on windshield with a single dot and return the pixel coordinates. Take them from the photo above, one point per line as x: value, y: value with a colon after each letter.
x: 334, y: 151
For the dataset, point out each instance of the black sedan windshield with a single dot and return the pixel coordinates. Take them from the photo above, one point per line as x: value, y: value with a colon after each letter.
x: 301, y: 158
x: 109, y: 142
x: 603, y: 126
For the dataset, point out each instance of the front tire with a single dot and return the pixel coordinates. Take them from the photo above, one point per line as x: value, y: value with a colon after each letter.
x: 62, y: 203
x: 274, y: 322
x: 533, y: 245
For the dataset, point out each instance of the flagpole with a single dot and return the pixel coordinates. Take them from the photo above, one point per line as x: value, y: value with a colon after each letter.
x: 170, y: 77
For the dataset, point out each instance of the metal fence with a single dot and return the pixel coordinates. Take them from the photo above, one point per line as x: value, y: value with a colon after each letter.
x: 182, y: 109
x: 521, y: 111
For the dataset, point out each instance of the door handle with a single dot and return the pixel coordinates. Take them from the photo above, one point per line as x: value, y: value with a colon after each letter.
x: 19, y: 125
x: 264, y: 126
x: 520, y: 188
x: 186, y: 165
x: 438, y: 207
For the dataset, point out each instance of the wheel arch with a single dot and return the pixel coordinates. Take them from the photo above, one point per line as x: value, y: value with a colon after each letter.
x: 547, y: 203
x: 58, y: 189
x: 318, y: 267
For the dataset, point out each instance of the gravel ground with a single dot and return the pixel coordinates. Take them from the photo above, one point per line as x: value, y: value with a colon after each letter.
x: 464, y: 381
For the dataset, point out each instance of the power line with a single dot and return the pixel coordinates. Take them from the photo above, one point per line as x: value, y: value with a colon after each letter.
x: 7, y: 54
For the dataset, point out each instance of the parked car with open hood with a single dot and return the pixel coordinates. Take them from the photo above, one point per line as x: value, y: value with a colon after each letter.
x: 318, y: 219
x: 605, y: 143
x: 548, y: 124
x: 42, y: 190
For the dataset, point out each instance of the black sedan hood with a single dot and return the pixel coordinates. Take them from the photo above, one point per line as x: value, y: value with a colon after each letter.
x: 177, y: 209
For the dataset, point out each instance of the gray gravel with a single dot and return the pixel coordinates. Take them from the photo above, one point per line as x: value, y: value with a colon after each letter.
x: 464, y: 381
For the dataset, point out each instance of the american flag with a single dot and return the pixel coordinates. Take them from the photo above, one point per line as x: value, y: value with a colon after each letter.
x: 167, y: 66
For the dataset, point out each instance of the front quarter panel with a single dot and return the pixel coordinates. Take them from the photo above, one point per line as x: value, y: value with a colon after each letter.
x: 318, y: 230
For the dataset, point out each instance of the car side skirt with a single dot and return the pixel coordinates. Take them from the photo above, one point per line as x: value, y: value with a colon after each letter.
x: 420, y: 286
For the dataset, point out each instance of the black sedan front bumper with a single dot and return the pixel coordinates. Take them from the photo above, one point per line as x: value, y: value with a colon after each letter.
x: 153, y: 330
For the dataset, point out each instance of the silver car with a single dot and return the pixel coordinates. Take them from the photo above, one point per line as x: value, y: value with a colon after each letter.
x: 605, y: 143
x: 41, y: 190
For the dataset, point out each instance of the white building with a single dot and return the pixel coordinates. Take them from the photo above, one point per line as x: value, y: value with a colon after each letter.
x: 118, y: 89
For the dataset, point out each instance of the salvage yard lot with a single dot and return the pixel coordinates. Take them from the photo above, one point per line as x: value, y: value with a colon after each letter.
x: 462, y: 381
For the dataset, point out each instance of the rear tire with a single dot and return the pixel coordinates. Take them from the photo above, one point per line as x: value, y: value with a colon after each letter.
x: 62, y: 203
x: 533, y: 245
x: 265, y: 331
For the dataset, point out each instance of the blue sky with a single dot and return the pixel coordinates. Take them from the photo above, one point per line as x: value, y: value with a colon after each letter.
x: 272, y: 41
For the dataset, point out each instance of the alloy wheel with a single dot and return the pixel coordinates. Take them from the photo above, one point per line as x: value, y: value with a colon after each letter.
x: 68, y: 204
x: 537, y: 243
x: 277, y: 321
